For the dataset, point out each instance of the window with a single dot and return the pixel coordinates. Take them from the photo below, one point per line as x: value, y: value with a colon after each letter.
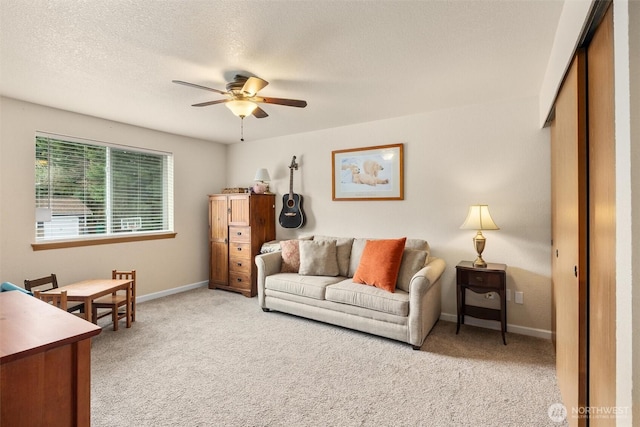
x: 86, y: 189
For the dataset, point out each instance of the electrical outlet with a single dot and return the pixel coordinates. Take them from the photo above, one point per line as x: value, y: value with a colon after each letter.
x: 508, y: 294
x: 519, y: 297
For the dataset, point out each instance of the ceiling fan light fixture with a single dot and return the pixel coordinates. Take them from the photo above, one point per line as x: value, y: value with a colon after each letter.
x: 241, y: 108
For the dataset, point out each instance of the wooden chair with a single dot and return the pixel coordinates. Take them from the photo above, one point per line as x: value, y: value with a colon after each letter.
x: 116, y: 300
x: 57, y: 300
x: 47, y: 283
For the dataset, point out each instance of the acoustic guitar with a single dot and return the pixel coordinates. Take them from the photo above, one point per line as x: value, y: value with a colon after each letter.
x: 292, y: 215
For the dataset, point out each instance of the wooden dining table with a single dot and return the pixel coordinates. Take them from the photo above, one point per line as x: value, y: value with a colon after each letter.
x: 88, y: 290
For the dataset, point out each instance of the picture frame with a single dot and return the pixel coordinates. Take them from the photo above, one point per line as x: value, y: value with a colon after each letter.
x: 368, y: 173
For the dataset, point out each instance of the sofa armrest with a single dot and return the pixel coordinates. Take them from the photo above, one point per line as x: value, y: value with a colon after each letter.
x: 428, y: 275
x: 267, y: 264
x: 424, y: 300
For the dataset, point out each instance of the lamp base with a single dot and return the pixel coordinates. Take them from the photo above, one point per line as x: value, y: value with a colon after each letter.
x: 479, y: 262
x: 479, y: 242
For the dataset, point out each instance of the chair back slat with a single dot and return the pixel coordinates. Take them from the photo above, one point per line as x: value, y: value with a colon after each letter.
x: 57, y: 300
x: 42, y: 284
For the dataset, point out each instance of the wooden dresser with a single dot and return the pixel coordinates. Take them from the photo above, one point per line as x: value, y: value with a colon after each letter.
x: 45, y: 364
x: 238, y: 226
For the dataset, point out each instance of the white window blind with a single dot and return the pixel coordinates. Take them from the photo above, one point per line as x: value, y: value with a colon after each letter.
x: 86, y: 189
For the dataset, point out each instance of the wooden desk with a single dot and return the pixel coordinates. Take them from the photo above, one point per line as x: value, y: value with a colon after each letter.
x: 45, y: 364
x: 492, y: 278
x: 88, y: 290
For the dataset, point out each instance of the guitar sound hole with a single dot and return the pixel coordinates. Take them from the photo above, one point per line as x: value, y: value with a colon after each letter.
x: 290, y: 203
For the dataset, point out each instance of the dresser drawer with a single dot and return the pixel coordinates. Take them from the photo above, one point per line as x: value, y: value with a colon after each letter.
x: 239, y: 250
x: 240, y: 264
x: 481, y: 279
x: 241, y: 280
x: 240, y: 234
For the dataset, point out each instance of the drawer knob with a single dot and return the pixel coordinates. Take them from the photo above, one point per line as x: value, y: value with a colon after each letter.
x: 239, y: 249
x: 479, y: 278
x: 239, y: 264
x: 239, y: 233
x: 239, y: 279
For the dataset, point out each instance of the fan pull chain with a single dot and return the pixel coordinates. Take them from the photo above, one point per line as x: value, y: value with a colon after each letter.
x: 242, y: 128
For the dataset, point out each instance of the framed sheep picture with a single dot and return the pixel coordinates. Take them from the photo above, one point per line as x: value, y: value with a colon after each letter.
x: 368, y: 173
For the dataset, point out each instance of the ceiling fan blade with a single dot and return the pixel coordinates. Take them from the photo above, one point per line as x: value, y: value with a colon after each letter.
x: 180, y: 82
x: 282, y: 101
x: 204, y: 104
x: 253, y: 85
x: 259, y: 113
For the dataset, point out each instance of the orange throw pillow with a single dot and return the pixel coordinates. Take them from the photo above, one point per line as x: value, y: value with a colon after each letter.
x: 380, y: 263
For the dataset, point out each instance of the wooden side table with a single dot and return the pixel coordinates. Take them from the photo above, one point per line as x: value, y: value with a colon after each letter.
x: 492, y: 278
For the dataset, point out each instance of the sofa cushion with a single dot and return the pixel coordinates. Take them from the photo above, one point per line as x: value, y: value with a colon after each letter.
x: 380, y: 263
x: 290, y: 256
x: 318, y: 258
x: 306, y: 286
x: 412, y: 261
x: 343, y: 248
x: 347, y: 292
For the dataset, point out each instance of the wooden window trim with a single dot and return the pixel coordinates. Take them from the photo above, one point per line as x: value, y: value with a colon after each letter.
x: 61, y: 244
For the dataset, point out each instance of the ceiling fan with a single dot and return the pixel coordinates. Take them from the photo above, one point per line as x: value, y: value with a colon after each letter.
x: 242, y: 96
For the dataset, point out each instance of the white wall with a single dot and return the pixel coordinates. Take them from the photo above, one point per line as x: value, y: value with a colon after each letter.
x: 494, y: 154
x: 634, y: 74
x: 573, y: 20
x: 627, y: 128
x: 199, y: 169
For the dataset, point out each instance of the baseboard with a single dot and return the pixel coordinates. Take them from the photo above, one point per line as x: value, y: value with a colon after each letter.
x: 489, y: 324
x: 167, y: 292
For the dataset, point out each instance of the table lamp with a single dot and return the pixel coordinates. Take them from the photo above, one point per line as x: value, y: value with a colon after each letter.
x: 479, y: 219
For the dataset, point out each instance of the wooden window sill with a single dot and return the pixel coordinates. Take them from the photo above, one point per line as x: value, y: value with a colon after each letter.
x: 60, y: 244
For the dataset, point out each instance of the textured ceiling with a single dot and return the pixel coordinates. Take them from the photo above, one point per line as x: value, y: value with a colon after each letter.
x: 352, y: 61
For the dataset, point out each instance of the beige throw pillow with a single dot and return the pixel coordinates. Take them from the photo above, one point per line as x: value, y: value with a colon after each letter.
x: 356, y: 253
x: 412, y: 261
x: 343, y: 248
x: 318, y: 258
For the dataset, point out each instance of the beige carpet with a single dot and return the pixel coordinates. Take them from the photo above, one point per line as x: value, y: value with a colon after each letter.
x: 213, y: 358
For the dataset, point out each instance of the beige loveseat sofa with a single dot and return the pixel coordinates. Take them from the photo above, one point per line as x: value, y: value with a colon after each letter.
x: 406, y: 315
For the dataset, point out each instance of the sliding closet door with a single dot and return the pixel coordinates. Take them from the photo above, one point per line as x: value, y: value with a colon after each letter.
x: 602, y: 225
x: 569, y: 237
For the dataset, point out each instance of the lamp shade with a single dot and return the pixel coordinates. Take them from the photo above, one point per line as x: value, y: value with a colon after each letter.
x: 262, y: 175
x: 479, y: 218
x: 241, y: 108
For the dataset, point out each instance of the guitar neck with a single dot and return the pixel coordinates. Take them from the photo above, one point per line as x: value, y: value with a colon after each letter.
x: 291, y: 181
